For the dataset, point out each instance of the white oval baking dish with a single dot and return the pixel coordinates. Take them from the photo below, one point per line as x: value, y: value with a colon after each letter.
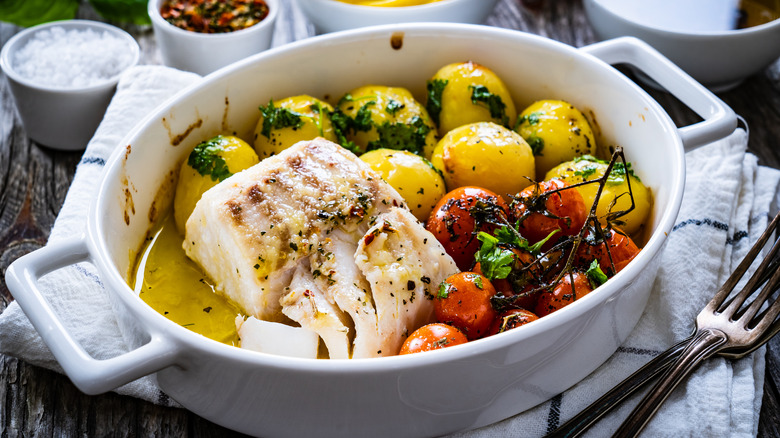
x: 417, y: 395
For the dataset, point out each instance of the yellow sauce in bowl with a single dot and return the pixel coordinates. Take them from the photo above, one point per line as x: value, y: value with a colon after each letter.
x: 174, y: 286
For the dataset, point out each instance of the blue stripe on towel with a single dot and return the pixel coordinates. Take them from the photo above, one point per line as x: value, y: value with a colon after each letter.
x: 554, y: 416
x: 739, y: 235
x: 93, y: 160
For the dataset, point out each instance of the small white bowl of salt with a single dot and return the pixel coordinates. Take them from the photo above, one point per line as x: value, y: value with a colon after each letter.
x: 63, y: 75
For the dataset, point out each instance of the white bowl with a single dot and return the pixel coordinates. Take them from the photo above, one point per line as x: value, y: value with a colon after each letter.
x: 331, y: 15
x: 426, y: 394
x: 720, y: 60
x: 58, y: 117
x: 204, y: 53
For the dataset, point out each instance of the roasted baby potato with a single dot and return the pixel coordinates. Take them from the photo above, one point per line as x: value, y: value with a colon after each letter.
x: 466, y: 92
x: 487, y: 155
x: 288, y: 121
x: 556, y: 131
x: 415, y: 178
x: 209, y: 163
x: 378, y: 117
x: 588, y: 168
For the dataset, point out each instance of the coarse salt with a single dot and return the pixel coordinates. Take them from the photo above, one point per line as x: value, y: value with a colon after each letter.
x: 74, y: 58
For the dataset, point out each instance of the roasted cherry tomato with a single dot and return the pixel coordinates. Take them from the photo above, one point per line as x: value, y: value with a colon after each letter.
x: 460, y: 215
x: 432, y: 337
x: 563, y: 294
x: 541, y: 210
x: 463, y: 301
x: 621, y: 248
x: 512, y: 319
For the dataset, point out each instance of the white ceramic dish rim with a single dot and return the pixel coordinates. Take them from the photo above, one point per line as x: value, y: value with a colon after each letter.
x: 8, y: 48
x: 162, y: 324
x: 153, y: 8
x: 382, y: 10
x: 698, y: 35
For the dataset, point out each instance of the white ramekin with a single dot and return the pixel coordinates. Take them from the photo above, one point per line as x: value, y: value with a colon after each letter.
x: 332, y: 16
x: 204, y: 53
x: 62, y: 118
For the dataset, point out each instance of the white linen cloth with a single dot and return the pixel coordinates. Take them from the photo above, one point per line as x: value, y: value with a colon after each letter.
x: 727, y: 200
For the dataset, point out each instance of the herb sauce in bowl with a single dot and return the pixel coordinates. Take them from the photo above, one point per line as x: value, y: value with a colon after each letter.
x: 214, y: 16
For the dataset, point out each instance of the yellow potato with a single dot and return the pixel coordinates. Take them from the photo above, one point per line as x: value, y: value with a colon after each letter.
x: 413, y: 176
x: 386, y: 117
x: 466, y: 92
x: 556, y: 131
x: 209, y: 163
x: 486, y: 155
x: 288, y: 121
x: 588, y: 168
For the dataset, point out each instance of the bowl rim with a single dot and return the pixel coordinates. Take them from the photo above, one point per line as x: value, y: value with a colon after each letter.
x: 157, y: 324
x: 153, y: 8
x: 698, y: 35
x: 367, y: 9
x: 6, y: 64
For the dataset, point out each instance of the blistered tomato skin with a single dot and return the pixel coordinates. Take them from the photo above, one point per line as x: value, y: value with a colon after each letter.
x: 463, y: 301
x: 432, y: 337
x: 622, y: 250
x: 563, y: 293
x: 512, y: 319
x: 459, y: 216
x: 548, y: 206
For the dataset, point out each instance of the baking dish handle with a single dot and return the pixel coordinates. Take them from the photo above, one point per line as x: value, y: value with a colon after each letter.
x: 719, y: 119
x: 90, y: 375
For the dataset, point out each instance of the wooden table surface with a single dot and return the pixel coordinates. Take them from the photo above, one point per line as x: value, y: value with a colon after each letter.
x: 34, y: 181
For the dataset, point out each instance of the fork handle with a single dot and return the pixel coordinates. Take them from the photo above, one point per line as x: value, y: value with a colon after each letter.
x: 706, y: 342
x: 581, y: 422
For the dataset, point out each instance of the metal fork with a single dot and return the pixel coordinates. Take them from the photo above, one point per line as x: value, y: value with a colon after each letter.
x: 589, y: 416
x: 581, y: 422
x: 723, y: 325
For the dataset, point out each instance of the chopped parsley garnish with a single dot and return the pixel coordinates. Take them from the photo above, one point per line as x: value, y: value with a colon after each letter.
x: 481, y: 95
x: 317, y: 109
x: 532, y: 118
x: 435, y: 89
x: 586, y: 172
x: 393, y: 107
x: 536, y: 143
x: 402, y: 136
x: 596, y: 276
x: 342, y: 125
x: 433, y: 167
x: 494, y: 261
x: 362, y: 120
x: 478, y: 281
x: 278, y: 118
x: 444, y: 290
x: 619, y: 170
x: 206, y: 159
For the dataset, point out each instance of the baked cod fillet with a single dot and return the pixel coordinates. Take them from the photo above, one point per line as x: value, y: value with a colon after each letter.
x: 286, y: 240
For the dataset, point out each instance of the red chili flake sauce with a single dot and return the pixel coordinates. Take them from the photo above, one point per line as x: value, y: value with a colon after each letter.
x: 214, y: 16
